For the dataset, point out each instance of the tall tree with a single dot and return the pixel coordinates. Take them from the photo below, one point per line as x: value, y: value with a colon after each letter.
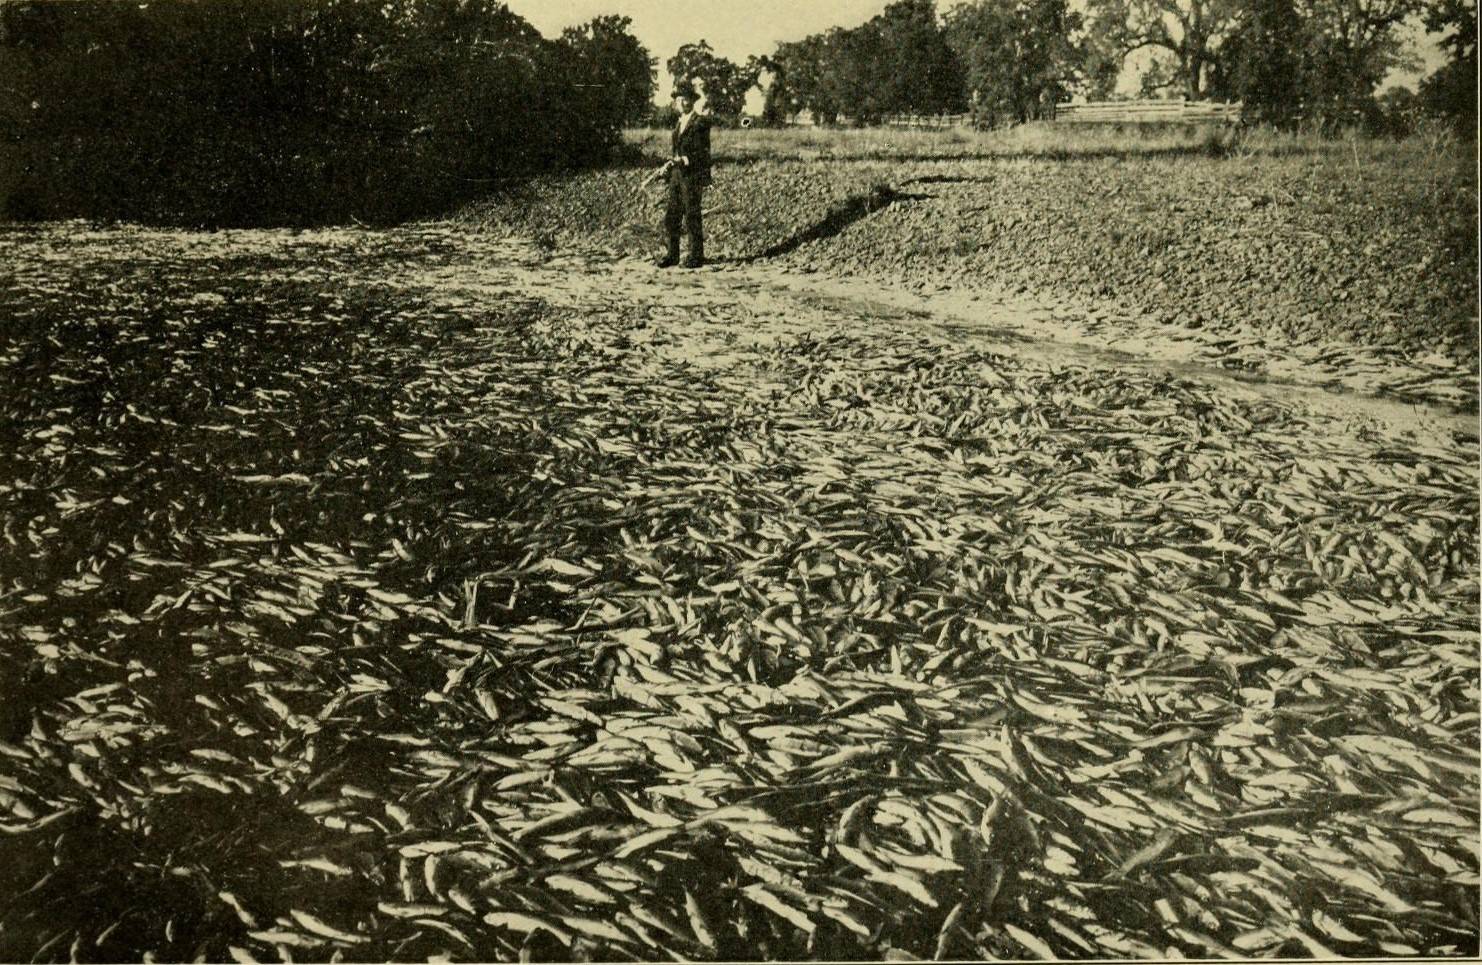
x: 766, y: 75
x: 1451, y: 91
x: 1263, y: 64
x: 614, y: 67
x: 1188, y: 34
x: 915, y: 69
x: 1017, y: 55
x: 1351, y: 46
x: 270, y: 111
x: 803, y: 68
x: 725, y: 82
x: 898, y: 61
x: 853, y: 71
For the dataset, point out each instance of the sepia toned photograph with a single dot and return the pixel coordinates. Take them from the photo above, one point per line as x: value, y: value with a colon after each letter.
x: 707, y: 480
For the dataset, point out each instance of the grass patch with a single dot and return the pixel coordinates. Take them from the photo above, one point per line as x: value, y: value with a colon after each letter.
x: 1434, y: 146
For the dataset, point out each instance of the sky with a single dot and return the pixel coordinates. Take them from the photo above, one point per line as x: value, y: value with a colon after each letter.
x: 736, y: 29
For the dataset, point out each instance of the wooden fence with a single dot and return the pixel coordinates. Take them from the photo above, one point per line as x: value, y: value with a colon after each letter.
x: 1148, y: 112
x: 927, y: 121
x: 1093, y: 112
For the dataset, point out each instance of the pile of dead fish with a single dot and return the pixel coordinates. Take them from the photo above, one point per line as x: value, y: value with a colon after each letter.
x: 343, y: 619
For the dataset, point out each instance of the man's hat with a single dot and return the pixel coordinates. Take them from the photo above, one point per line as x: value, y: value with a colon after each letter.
x: 684, y: 88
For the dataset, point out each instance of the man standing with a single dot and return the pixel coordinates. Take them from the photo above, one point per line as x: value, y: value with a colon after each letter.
x: 689, y: 174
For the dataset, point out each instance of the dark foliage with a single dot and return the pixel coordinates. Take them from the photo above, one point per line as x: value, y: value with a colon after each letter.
x: 618, y: 74
x: 1186, y: 39
x: 919, y: 69
x: 723, y: 82
x: 1018, y: 57
x: 241, y: 112
x: 897, y: 62
x: 1451, y: 92
x: 1263, y: 64
x: 1350, y: 46
x: 1315, y: 64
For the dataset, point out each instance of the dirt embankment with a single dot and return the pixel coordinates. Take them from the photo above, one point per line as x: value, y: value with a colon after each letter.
x: 1378, y: 249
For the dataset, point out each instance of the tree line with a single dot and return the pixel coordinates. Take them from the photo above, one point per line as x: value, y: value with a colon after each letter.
x: 220, y: 112
x: 1314, y: 63
x: 228, y: 112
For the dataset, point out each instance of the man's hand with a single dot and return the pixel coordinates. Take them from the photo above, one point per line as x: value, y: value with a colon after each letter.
x: 659, y: 172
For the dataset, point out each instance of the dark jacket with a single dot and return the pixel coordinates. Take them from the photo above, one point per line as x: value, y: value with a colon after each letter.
x: 694, y: 144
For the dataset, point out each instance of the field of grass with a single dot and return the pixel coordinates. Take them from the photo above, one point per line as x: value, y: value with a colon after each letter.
x: 1362, y: 241
x: 1039, y: 140
x: 1432, y: 145
x: 416, y: 594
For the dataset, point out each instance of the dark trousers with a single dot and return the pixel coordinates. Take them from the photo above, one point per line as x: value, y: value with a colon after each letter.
x: 683, y: 210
